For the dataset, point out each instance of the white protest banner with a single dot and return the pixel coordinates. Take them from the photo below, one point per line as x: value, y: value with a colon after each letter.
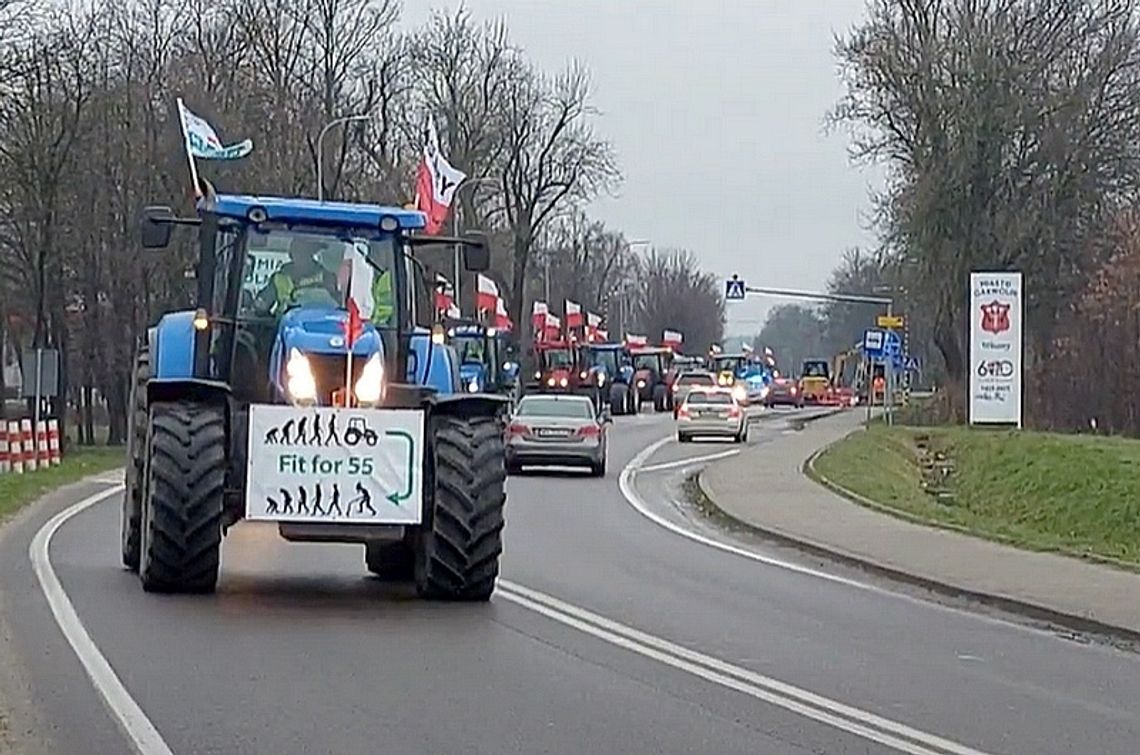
x: 325, y: 464
x: 996, y: 312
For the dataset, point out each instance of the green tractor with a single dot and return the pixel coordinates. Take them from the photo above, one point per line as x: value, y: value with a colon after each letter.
x: 281, y: 399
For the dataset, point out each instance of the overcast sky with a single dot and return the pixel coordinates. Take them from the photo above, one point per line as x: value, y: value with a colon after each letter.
x: 715, y: 108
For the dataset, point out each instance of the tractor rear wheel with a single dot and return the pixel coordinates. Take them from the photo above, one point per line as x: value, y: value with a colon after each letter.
x: 658, y: 398
x: 391, y: 561
x: 461, y: 541
x: 182, y: 507
x: 619, y: 401
x: 131, y: 521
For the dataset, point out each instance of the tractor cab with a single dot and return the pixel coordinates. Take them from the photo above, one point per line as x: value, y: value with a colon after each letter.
x: 307, y: 389
x: 486, y: 357
x: 556, y: 367
x: 609, y: 367
x: 815, y: 381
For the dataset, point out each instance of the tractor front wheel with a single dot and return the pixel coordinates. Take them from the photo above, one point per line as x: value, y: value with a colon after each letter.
x: 458, y: 550
x: 658, y: 398
x: 131, y: 521
x: 182, y: 504
x: 619, y: 401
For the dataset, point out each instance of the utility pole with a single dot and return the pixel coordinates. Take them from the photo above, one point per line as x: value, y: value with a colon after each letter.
x: 321, y: 152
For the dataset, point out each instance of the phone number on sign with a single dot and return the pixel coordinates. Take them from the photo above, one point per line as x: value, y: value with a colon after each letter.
x: 319, y: 465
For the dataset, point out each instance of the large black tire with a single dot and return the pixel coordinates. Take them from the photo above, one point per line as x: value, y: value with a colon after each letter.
x: 658, y: 398
x: 619, y: 400
x: 391, y: 561
x: 182, y: 510
x: 459, y: 546
x: 130, y: 523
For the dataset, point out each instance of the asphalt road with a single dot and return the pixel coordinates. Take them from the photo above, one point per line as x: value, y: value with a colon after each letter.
x: 611, y: 632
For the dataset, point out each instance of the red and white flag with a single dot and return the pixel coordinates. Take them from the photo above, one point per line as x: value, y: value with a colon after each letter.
x: 573, y: 314
x: 602, y: 335
x: 633, y: 340
x: 436, y: 182
x: 538, y: 314
x: 360, y: 302
x: 552, y: 328
x: 502, y: 319
x: 486, y: 293
x: 445, y: 297
x: 673, y: 339
x: 592, y: 323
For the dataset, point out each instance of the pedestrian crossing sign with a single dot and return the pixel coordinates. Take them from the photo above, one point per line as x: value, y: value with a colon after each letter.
x: 734, y: 289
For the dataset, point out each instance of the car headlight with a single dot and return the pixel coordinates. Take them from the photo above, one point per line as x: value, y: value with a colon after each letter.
x: 739, y: 393
x: 301, y: 384
x: 473, y: 386
x: 370, y: 384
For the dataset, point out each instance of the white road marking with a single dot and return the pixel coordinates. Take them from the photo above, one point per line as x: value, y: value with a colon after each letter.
x: 138, y: 729
x: 692, y: 460
x: 634, y: 499
x: 861, y: 723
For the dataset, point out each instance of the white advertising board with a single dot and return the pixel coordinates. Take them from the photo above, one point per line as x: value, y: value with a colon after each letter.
x: 996, y: 314
x: 326, y: 464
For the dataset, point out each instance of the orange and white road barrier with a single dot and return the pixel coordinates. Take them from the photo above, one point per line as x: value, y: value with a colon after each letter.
x: 15, y: 447
x: 43, y: 456
x: 53, y: 442
x: 28, y: 440
x: 5, y: 452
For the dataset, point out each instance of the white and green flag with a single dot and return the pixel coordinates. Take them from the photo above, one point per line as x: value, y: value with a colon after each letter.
x: 203, y: 142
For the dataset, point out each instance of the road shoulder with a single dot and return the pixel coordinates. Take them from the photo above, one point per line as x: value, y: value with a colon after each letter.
x: 766, y: 489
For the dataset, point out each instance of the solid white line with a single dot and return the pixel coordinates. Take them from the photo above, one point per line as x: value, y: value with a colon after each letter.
x: 138, y: 729
x: 802, y: 702
x: 634, y: 499
x: 692, y: 460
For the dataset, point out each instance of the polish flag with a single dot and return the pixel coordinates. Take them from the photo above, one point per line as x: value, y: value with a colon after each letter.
x: 436, y: 182
x: 502, y: 319
x: 633, y: 340
x: 486, y: 293
x: 603, y: 335
x: 673, y: 339
x: 552, y: 328
x: 360, y: 303
x: 538, y: 314
x: 573, y: 314
x: 445, y: 296
x: 592, y: 323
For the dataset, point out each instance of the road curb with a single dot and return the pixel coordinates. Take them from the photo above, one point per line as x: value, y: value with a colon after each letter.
x: 1034, y: 611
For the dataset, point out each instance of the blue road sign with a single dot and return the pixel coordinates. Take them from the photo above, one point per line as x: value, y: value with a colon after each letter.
x: 914, y: 365
x: 873, y: 342
x: 734, y: 289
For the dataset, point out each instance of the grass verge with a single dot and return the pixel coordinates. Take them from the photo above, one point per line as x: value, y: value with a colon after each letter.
x: 18, y: 490
x: 1078, y: 495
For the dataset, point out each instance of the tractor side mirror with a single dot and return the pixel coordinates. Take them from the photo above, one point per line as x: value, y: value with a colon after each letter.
x: 476, y: 253
x: 157, y: 225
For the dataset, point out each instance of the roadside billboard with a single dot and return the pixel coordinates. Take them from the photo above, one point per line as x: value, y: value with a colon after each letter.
x: 996, y: 314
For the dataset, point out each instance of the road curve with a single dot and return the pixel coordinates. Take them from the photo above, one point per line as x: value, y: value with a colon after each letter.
x: 610, y: 633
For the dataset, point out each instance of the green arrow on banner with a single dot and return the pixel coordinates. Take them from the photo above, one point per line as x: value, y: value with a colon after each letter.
x: 395, y: 497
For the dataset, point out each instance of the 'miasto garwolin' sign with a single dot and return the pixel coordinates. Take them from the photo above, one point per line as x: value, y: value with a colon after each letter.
x: 996, y: 314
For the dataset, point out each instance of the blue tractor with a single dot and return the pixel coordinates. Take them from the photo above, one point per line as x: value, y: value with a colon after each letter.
x: 486, y: 358
x: 300, y: 414
x: 610, y: 367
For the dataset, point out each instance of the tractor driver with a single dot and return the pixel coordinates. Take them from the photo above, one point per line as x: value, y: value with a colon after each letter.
x: 302, y: 275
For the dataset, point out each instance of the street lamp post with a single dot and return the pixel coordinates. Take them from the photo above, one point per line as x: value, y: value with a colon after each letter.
x: 321, y: 152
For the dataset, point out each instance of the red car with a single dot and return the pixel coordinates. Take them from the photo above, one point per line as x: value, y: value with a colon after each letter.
x: 783, y: 392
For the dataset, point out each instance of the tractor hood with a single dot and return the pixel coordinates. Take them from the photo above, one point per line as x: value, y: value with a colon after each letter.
x: 322, y: 331
x: 471, y: 372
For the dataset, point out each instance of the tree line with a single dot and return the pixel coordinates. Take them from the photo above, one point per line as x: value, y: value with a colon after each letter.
x: 1010, y: 135
x: 89, y: 135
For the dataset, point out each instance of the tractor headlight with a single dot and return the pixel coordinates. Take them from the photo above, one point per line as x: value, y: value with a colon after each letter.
x: 538, y: 375
x: 739, y: 393
x: 583, y: 375
x: 473, y: 386
x: 370, y: 384
x: 640, y: 383
x: 550, y: 382
x: 563, y: 382
x: 601, y: 378
x: 300, y: 383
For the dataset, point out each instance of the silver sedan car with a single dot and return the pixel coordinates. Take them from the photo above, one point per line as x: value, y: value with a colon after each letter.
x: 712, y: 412
x: 557, y: 430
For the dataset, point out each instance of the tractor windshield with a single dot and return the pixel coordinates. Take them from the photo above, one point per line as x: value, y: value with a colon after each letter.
x: 470, y: 347
x: 604, y: 358
x: 288, y: 267
x: 557, y: 359
x: 650, y: 362
x: 728, y: 364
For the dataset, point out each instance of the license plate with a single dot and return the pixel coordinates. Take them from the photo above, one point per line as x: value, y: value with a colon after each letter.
x: 550, y: 432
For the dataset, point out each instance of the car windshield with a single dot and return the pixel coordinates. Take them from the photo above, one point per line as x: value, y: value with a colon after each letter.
x: 696, y: 378
x: 557, y: 359
x: 701, y: 397
x: 604, y: 358
x: 288, y: 267
x: 540, y: 406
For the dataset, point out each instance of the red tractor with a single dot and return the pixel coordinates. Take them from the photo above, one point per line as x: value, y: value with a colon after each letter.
x: 651, y: 365
x: 556, y: 368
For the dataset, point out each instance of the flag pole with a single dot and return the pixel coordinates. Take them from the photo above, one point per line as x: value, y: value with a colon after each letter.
x: 186, y: 146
